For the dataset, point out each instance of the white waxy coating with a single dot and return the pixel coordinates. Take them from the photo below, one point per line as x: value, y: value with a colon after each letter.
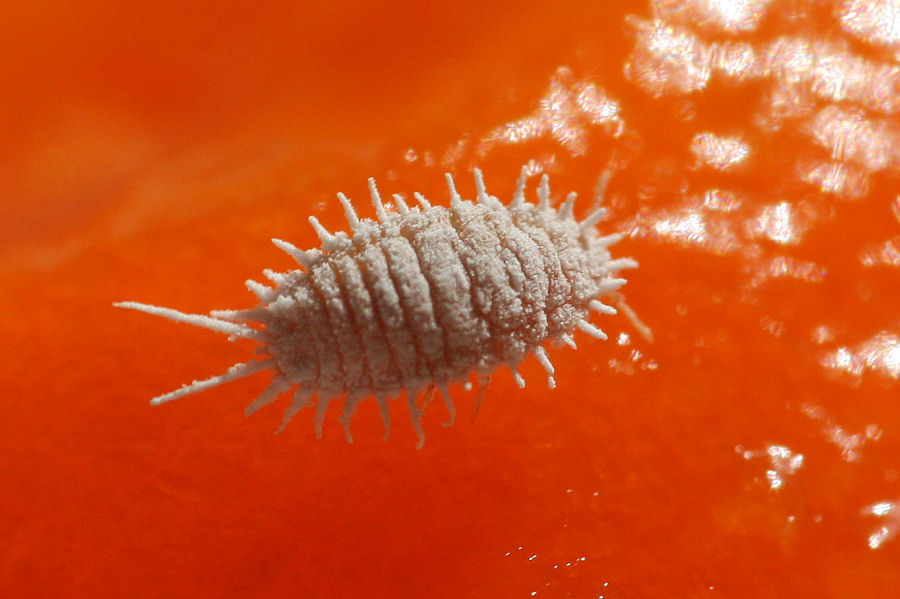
x: 420, y: 299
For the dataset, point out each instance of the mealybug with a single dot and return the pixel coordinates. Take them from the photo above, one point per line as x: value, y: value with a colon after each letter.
x: 418, y: 299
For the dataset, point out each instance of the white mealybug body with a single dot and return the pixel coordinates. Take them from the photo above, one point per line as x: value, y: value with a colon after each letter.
x: 419, y: 299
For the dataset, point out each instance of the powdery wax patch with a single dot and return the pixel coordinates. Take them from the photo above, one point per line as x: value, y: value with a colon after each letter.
x: 418, y: 299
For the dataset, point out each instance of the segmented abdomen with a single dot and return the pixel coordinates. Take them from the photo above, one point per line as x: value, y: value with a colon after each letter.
x: 431, y: 296
x: 417, y: 299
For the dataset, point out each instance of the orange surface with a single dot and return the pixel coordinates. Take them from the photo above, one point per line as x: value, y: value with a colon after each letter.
x: 149, y: 154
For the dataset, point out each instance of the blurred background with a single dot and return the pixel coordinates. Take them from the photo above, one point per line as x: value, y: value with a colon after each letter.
x: 151, y: 150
